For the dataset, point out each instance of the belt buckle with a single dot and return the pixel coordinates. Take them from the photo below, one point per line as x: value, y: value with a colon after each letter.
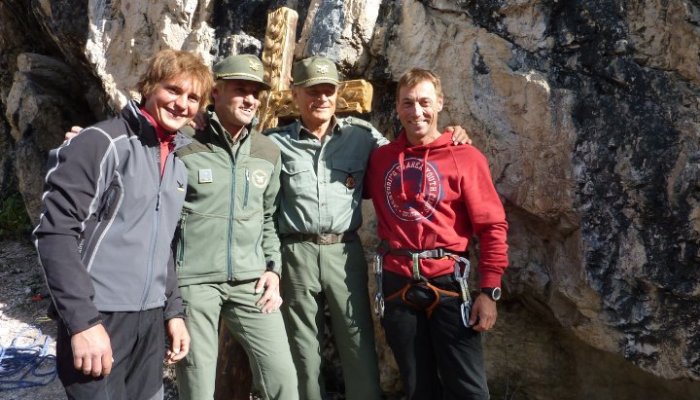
x: 325, y: 239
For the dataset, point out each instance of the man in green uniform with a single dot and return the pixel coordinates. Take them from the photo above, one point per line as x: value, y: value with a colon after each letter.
x: 323, y: 163
x: 227, y: 249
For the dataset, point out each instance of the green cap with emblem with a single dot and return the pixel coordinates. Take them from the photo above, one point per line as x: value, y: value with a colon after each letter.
x: 314, y: 71
x: 246, y: 67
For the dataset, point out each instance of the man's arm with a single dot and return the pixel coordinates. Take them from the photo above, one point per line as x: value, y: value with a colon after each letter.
x: 74, y: 182
x: 268, y: 283
x: 489, y: 223
x: 174, y: 315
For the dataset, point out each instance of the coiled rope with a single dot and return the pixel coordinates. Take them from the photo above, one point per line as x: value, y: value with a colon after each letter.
x: 26, y: 366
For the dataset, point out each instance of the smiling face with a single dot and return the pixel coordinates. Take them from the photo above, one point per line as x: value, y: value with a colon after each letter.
x: 316, y: 103
x: 236, y: 102
x: 174, y: 102
x: 417, y: 107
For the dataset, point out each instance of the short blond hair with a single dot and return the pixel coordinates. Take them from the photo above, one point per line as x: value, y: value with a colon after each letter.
x: 417, y: 75
x: 168, y: 63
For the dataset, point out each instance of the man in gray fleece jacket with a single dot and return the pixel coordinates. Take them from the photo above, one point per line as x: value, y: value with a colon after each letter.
x: 112, y: 201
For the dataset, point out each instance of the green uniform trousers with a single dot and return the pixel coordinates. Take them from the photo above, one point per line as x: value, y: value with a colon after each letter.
x: 261, y: 335
x: 335, y: 274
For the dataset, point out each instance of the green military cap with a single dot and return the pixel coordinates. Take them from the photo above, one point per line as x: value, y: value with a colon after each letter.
x: 246, y: 67
x: 313, y: 71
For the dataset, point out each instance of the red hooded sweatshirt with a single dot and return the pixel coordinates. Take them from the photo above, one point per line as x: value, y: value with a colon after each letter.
x: 437, y: 196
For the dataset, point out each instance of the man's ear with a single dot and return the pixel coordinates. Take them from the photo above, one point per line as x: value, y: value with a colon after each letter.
x: 440, y: 103
x: 214, y: 93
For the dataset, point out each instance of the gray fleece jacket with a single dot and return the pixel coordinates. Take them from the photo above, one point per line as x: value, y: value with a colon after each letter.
x: 104, y: 236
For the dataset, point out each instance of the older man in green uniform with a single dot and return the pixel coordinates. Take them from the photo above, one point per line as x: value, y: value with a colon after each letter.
x: 323, y: 163
x: 227, y: 248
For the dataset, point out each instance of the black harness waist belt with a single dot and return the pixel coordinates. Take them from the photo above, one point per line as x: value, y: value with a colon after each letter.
x: 433, y: 253
x: 322, y: 239
x: 419, y: 292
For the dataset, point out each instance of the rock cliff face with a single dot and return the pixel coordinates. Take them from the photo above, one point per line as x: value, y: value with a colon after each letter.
x: 586, y: 110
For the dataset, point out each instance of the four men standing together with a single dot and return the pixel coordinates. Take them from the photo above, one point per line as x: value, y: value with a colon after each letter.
x: 285, y: 206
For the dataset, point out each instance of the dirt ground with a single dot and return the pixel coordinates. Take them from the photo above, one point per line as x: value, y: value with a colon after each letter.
x: 24, y: 327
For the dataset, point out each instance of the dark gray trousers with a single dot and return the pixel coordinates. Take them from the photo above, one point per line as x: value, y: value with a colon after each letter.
x: 438, y: 357
x: 138, y: 347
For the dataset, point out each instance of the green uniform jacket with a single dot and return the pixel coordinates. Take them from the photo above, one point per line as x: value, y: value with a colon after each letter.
x: 322, y: 181
x: 227, y: 230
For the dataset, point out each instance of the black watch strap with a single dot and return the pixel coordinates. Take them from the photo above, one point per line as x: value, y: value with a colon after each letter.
x: 493, y: 292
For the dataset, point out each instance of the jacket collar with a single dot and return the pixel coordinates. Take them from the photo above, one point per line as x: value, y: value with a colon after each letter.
x: 139, y: 125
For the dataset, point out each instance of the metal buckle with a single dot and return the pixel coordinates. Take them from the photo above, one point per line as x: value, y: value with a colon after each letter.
x: 326, y: 239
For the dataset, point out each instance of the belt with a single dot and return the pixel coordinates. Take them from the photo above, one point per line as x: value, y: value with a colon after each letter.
x: 322, y: 239
x: 433, y: 253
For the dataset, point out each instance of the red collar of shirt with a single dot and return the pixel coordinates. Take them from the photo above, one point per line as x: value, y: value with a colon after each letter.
x: 164, y: 138
x: 162, y: 134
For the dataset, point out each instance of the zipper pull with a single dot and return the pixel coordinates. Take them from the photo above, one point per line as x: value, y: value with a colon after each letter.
x: 158, y: 202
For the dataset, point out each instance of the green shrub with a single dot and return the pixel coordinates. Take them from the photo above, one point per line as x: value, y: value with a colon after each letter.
x: 14, y: 221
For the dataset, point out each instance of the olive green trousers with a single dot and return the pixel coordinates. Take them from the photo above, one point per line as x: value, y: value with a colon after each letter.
x: 314, y: 276
x: 261, y: 335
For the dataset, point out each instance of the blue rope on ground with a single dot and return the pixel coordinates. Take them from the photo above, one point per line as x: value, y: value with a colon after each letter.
x: 27, y: 366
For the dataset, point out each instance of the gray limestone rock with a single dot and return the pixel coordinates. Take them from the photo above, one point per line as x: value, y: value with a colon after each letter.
x: 587, y: 112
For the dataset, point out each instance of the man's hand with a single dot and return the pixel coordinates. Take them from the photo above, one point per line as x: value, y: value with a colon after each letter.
x: 92, y: 351
x: 271, y: 300
x: 484, y: 311
x: 199, y: 121
x: 73, y: 132
x: 459, y: 135
x: 179, y: 340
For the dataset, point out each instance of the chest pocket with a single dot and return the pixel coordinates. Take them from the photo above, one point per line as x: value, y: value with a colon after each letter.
x: 297, y: 174
x: 348, y: 172
x: 254, y: 178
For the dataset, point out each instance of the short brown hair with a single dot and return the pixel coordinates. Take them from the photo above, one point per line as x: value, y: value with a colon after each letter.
x: 417, y: 75
x: 168, y: 63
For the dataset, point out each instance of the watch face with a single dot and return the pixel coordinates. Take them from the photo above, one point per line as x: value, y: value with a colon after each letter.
x: 493, y: 293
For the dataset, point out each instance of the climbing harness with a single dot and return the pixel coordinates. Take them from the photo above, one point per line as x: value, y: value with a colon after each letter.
x: 419, y: 292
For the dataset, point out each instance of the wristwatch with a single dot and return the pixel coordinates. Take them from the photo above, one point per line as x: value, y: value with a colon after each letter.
x: 493, y: 292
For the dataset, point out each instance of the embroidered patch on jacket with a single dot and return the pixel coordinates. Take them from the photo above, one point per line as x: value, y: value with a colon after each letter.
x: 406, y: 202
x: 260, y: 178
x: 205, y: 176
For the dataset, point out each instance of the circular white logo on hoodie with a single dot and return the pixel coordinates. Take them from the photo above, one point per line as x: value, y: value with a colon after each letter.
x: 414, y: 197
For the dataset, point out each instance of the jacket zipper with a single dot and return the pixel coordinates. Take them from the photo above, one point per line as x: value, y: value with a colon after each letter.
x: 247, y: 187
x: 232, y: 197
x: 154, y: 234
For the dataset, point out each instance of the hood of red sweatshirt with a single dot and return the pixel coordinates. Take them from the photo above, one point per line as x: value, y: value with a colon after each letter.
x: 419, y: 151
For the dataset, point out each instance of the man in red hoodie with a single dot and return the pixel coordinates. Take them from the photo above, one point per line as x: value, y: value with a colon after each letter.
x: 431, y: 198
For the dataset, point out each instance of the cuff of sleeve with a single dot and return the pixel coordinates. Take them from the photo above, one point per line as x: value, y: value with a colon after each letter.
x: 178, y: 314
x: 274, y: 266
x: 490, y: 280
x: 83, y: 325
